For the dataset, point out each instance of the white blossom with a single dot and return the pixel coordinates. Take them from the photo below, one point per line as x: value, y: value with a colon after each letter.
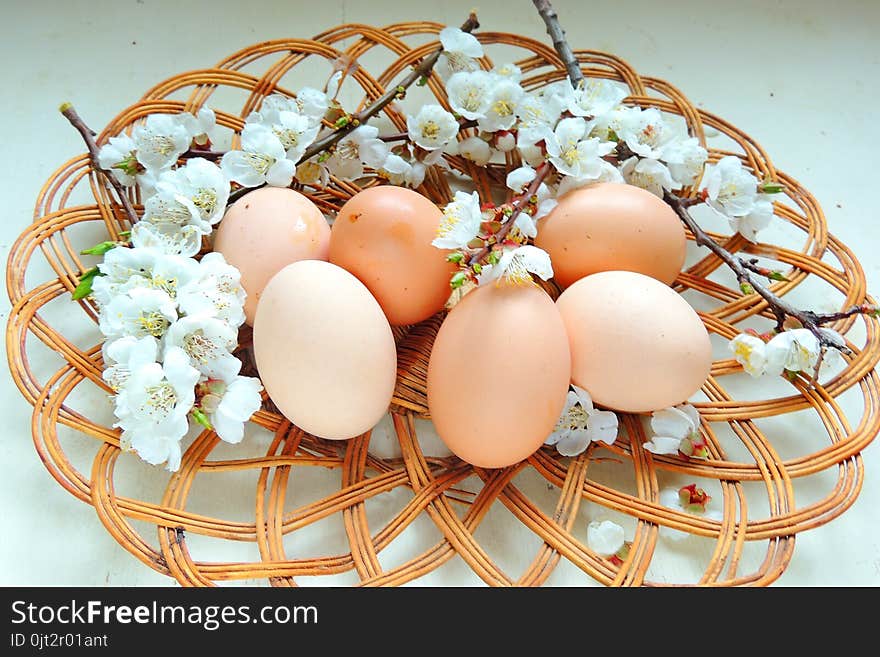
x: 295, y: 131
x: 230, y: 405
x: 685, y: 159
x: 262, y: 160
x: 580, y: 424
x: 730, y: 189
x: 750, y: 352
x: 200, y: 127
x: 676, y: 499
x: 208, y: 342
x: 671, y: 426
x: 470, y: 93
x: 184, y: 241
x: 199, y: 187
x: 500, y: 114
x: 217, y: 291
x: 312, y: 173
x: 594, y: 97
x: 118, y: 156
x: 460, y: 50
x: 432, y: 128
x: 536, y: 117
x: 160, y: 140
x: 360, y: 147
x: 647, y: 173
x: 139, y: 312
x: 756, y: 220
x: 476, y: 150
x: 794, y: 350
x: 505, y: 141
x: 519, y: 179
x: 607, y: 173
x: 645, y: 132
x: 402, y: 172
x: 152, y: 408
x: 124, y: 355
x: 312, y: 103
x: 461, y: 222
x: 574, y: 155
x: 507, y: 71
x: 517, y: 265
x: 605, y: 537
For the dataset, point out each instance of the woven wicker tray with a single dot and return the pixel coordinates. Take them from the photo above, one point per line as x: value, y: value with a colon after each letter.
x: 549, y: 497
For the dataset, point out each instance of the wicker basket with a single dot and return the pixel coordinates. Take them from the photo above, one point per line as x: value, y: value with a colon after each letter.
x: 748, y: 543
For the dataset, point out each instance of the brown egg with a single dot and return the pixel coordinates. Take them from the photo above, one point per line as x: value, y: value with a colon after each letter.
x: 636, y: 344
x: 498, y: 374
x: 267, y: 229
x: 611, y: 226
x: 383, y: 236
x: 324, y: 350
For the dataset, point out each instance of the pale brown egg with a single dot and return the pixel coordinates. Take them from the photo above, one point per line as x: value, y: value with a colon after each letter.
x: 324, y: 350
x: 612, y: 226
x: 383, y: 236
x: 267, y: 229
x: 498, y: 374
x: 636, y: 344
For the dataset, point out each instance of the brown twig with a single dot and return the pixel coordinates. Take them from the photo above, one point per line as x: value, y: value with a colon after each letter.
x: 560, y: 43
x: 328, y: 141
x: 780, y: 308
x: 518, y: 205
x: 88, y: 136
x: 205, y: 153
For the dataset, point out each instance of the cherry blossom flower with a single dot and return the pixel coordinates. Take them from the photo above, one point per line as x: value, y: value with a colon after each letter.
x: 730, y: 190
x: 750, y: 352
x: 139, y: 312
x: 645, y: 132
x: 470, y: 93
x: 605, y: 537
x: 501, y: 112
x: 507, y: 71
x: 153, y: 405
x: 517, y: 265
x: 649, y: 174
x: 361, y: 147
x: 757, y: 219
x: 536, y: 115
x: 460, y: 50
x: 200, y: 127
x: 574, y: 155
x: 461, y: 222
x: 677, y: 429
x: 208, y: 342
x: 794, y: 350
x: 217, y: 291
x: 594, y: 97
x: 476, y: 150
x: 229, y: 403
x: 402, y: 172
x: 199, y: 187
x: 183, y: 241
x: 118, y: 156
x: 263, y: 159
x: 685, y: 159
x: 432, y: 128
x: 160, y: 140
x: 125, y: 355
x: 580, y: 424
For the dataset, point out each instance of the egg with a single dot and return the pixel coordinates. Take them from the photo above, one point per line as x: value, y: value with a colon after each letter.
x: 324, y: 350
x: 612, y: 226
x: 636, y: 344
x: 383, y: 236
x: 267, y: 229
x: 498, y: 374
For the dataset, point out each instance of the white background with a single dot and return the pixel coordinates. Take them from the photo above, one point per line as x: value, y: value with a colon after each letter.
x: 800, y: 77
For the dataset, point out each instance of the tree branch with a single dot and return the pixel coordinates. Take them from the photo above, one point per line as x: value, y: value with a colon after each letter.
x: 518, y: 205
x: 560, y: 43
x: 88, y: 136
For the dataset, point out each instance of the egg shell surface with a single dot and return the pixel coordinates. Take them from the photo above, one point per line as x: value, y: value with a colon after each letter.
x: 612, y: 226
x: 324, y: 350
x: 267, y: 229
x: 636, y: 344
x: 498, y: 374
x: 383, y: 236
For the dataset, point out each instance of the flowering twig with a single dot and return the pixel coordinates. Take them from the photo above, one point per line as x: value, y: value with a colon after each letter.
x: 88, y: 136
x: 560, y: 43
x: 420, y: 71
x: 515, y: 208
